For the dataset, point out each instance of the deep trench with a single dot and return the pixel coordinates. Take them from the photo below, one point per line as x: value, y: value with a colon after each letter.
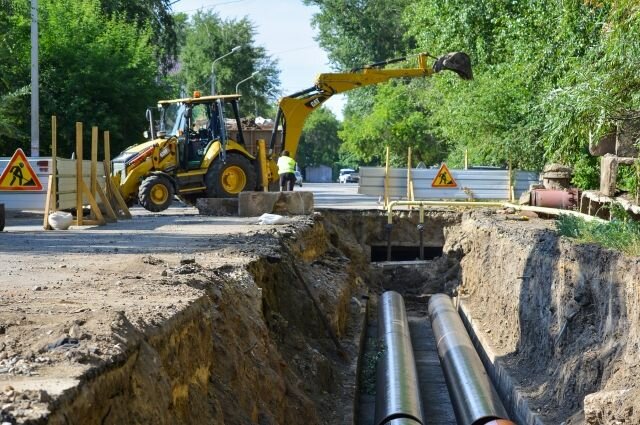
x: 285, y: 339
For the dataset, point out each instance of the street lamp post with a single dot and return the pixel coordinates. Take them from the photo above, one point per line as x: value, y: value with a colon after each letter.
x: 35, y: 83
x: 246, y: 79
x: 213, y: 74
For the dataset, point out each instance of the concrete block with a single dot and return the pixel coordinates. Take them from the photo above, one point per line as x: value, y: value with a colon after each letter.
x: 217, y: 206
x: 254, y: 204
x: 608, y: 174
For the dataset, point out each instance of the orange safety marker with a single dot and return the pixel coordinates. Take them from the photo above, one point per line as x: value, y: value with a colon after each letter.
x: 444, y: 178
x: 19, y: 175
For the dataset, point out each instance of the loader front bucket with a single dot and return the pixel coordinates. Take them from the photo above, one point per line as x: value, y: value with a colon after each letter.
x: 457, y: 62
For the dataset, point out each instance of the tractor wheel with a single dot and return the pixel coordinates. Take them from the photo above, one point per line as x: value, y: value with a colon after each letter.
x: 228, y: 179
x: 156, y: 193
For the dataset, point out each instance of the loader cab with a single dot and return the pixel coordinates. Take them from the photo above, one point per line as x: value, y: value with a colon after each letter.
x: 197, y: 123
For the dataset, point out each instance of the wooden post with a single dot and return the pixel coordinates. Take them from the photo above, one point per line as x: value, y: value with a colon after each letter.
x: 466, y: 159
x: 386, y: 179
x: 79, y: 173
x: 113, y: 192
x: 51, y: 202
x: 638, y: 182
x: 94, y: 160
x: 93, y: 179
x: 511, y: 193
x: 264, y: 166
x: 410, y: 193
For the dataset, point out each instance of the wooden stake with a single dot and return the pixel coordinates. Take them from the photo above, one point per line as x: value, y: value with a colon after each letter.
x: 112, y: 191
x: 79, y: 181
x: 52, y: 192
x: 386, y: 179
x: 47, y: 205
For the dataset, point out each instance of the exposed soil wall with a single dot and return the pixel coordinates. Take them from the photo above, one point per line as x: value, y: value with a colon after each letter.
x: 563, y: 317
x: 251, y: 350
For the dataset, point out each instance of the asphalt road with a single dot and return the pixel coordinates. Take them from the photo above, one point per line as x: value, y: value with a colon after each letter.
x: 326, y: 196
x: 341, y: 196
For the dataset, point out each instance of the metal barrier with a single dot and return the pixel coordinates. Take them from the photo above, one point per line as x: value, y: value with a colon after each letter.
x: 28, y: 200
x: 483, y: 184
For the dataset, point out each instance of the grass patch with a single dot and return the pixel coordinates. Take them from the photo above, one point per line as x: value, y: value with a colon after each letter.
x: 622, y: 234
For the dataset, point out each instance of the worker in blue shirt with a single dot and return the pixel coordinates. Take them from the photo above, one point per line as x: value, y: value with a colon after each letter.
x: 286, y: 170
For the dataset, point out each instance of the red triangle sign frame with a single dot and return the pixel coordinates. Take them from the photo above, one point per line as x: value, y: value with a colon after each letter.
x: 15, y: 172
x: 444, y: 178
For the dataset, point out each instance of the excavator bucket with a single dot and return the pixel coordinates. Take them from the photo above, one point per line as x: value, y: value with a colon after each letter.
x: 457, y: 62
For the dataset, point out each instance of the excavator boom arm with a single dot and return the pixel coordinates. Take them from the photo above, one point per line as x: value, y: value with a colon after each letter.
x: 294, y: 109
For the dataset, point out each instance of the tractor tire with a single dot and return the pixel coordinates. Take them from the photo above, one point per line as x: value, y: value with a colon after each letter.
x: 155, y: 193
x: 228, y: 179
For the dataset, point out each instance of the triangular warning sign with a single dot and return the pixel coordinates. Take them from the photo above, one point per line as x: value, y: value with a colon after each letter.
x: 444, y: 178
x: 18, y: 175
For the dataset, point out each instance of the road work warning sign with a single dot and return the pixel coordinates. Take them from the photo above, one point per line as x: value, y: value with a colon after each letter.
x: 19, y: 175
x: 444, y: 178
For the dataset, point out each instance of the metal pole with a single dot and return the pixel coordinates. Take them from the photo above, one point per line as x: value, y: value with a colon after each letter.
x: 213, y: 74
x: 246, y: 79
x: 35, y: 85
x: 397, y: 393
x: 474, y: 399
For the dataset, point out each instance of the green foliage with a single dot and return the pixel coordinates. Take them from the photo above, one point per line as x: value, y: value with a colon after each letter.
x: 397, y: 119
x: 155, y: 14
x: 208, y: 37
x: 549, y: 76
x: 319, y: 143
x: 356, y: 32
x: 14, y: 76
x: 619, y: 234
x: 96, y: 68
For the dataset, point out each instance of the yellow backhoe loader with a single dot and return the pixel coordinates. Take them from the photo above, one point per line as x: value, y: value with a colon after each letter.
x: 189, y: 153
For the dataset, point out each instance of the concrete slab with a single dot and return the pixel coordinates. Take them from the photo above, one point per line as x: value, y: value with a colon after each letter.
x: 219, y: 207
x: 253, y: 204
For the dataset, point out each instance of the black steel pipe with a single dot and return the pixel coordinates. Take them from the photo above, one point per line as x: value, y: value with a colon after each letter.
x: 397, y: 394
x: 387, y: 229
x: 474, y: 398
x: 421, y: 231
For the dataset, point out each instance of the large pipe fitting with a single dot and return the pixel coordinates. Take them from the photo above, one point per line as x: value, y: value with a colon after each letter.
x: 397, y: 394
x: 474, y: 399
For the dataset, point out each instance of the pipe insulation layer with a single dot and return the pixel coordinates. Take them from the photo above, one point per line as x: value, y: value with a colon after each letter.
x: 397, y: 394
x: 474, y: 399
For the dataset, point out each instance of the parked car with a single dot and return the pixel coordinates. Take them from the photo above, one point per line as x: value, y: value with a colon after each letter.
x: 298, y: 178
x: 348, y: 175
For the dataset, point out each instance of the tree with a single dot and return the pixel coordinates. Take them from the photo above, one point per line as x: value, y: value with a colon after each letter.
x: 208, y: 37
x: 397, y: 119
x: 153, y: 14
x: 356, y: 32
x: 319, y: 143
x: 96, y: 69
x: 14, y: 77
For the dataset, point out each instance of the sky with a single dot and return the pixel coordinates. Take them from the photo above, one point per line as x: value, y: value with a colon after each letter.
x: 283, y: 28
